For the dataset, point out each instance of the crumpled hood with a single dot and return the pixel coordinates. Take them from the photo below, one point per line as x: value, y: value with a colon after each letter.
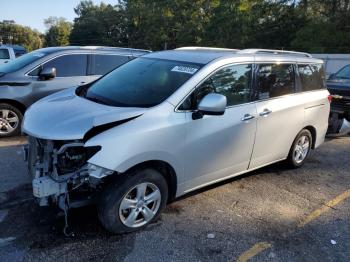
x: 66, y: 116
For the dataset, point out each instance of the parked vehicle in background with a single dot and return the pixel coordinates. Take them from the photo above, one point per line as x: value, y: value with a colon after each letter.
x: 10, y: 52
x: 338, y: 85
x: 6, y: 54
x: 171, y: 122
x: 33, y: 76
x: 333, y: 62
x: 19, y: 50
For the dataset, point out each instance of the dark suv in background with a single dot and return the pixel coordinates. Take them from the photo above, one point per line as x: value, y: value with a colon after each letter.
x: 338, y: 85
x: 35, y: 75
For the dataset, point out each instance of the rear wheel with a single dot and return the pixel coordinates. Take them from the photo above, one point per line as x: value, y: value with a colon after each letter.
x: 10, y: 120
x: 300, y: 149
x: 134, y: 201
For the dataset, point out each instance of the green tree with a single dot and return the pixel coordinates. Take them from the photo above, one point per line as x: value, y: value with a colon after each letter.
x: 58, y: 31
x: 305, y: 25
x: 167, y: 24
x: 11, y: 33
x: 99, y: 25
x: 326, y: 28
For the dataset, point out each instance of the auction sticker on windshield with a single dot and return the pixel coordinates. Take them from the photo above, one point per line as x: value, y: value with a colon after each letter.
x: 185, y: 69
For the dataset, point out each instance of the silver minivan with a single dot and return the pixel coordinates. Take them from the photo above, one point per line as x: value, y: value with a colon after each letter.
x: 171, y: 122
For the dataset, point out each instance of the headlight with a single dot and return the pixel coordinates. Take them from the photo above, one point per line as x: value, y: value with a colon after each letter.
x: 71, y: 157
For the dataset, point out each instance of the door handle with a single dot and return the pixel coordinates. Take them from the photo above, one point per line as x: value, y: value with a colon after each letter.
x: 266, y: 112
x: 247, y: 117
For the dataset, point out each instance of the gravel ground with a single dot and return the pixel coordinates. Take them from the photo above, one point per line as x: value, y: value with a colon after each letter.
x: 217, y: 223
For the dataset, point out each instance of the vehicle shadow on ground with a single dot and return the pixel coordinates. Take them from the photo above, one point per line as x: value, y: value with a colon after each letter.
x: 36, y: 228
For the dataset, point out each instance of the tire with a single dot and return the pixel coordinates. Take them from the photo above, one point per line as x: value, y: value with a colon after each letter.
x: 124, y: 190
x: 300, y: 148
x: 10, y: 120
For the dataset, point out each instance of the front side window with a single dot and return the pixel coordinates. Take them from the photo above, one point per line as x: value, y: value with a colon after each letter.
x: 4, y: 54
x: 142, y: 82
x: 275, y: 80
x: 66, y: 66
x: 233, y: 82
x: 103, y: 64
x: 312, y: 77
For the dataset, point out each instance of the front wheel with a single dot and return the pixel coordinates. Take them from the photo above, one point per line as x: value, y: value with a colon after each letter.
x: 10, y: 120
x: 132, y: 202
x: 300, y: 149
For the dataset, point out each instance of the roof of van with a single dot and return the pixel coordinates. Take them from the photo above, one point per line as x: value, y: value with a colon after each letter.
x: 204, y: 55
x: 49, y: 50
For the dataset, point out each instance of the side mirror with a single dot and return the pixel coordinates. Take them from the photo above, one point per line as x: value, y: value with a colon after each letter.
x: 47, y: 73
x: 211, y: 104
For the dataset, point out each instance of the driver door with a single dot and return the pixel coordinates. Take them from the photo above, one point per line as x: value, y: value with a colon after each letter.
x: 220, y: 146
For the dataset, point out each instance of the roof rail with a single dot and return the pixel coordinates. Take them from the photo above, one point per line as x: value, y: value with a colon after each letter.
x: 206, y: 48
x: 113, y: 48
x: 272, y: 51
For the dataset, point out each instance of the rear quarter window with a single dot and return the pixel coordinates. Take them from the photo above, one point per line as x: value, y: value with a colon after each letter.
x: 312, y: 77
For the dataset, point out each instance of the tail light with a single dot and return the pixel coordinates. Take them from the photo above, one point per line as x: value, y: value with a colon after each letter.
x: 330, y: 98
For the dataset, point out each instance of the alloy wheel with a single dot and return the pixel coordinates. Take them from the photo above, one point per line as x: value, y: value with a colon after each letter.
x: 9, y: 121
x: 140, y: 205
x: 301, y: 149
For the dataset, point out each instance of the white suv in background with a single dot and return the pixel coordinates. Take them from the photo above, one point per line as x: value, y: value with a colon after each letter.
x: 6, y: 54
x: 171, y: 122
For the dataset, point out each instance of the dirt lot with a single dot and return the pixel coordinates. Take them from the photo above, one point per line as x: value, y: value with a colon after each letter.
x: 273, y: 214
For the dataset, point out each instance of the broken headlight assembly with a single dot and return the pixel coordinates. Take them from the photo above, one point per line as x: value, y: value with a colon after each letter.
x: 72, y: 157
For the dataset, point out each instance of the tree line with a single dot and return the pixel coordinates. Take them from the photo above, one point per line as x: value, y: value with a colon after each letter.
x: 305, y: 25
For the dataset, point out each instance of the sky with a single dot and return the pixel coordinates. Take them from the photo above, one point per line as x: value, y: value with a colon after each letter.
x: 33, y: 12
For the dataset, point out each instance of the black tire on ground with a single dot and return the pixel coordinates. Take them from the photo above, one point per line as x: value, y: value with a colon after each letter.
x: 17, y: 130
x: 112, y: 196
x: 290, y: 161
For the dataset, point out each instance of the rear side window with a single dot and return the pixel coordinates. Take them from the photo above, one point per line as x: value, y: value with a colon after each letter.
x: 275, y: 80
x: 233, y: 82
x: 4, y: 54
x: 66, y: 65
x: 312, y: 77
x: 102, y: 64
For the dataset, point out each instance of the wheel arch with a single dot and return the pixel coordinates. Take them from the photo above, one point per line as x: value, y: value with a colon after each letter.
x: 21, y: 107
x: 313, y: 132
x: 167, y: 171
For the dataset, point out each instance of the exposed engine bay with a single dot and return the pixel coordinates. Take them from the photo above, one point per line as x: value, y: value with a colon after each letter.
x: 61, y: 174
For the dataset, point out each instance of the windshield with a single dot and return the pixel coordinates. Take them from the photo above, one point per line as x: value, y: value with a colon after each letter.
x: 142, y: 82
x: 4, y: 54
x: 20, y: 62
x: 343, y: 73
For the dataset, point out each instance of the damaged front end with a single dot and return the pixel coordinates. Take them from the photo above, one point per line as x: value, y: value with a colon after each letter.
x: 61, y: 174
